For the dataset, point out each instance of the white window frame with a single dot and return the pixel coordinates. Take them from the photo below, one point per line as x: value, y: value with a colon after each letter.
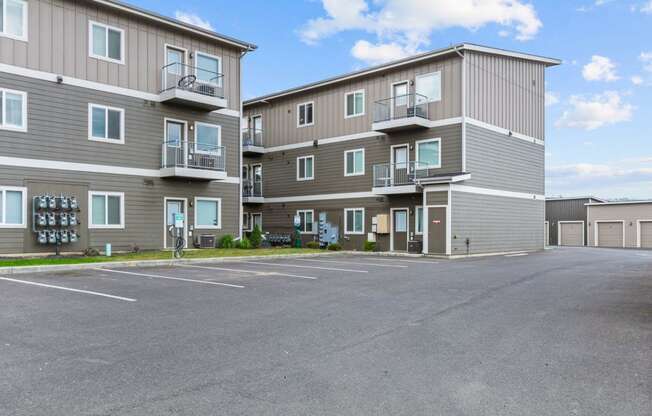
x: 219, y: 213
x: 416, y: 85
x: 106, y: 123
x: 312, y: 122
x: 346, y: 229
x: 304, y: 212
x: 219, y: 138
x: 251, y: 220
x: 25, y: 21
x: 4, y: 126
x: 306, y: 178
x: 106, y: 27
x: 219, y: 68
x: 184, y: 137
x: 416, y: 149
x: 246, y: 224
x: 639, y: 226
x: 3, y: 206
x: 346, y: 102
x: 120, y: 226
x: 416, y: 219
x: 345, y: 162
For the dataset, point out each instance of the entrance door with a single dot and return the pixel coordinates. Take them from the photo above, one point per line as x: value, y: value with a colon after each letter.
x: 173, y: 206
x: 257, y: 134
x: 258, y: 180
x: 175, y: 136
x: 175, y: 67
x: 257, y: 220
x: 399, y: 100
x: 400, y: 165
x: 437, y: 230
x: 400, y: 229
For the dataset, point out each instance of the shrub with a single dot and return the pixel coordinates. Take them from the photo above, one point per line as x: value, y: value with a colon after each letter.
x: 226, y: 241
x: 91, y: 252
x: 369, y: 246
x: 334, y: 247
x: 256, y: 237
x: 312, y: 244
x: 136, y: 249
x: 244, y: 244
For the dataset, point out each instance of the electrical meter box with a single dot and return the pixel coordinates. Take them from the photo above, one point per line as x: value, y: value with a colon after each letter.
x: 382, y: 226
x: 328, y: 233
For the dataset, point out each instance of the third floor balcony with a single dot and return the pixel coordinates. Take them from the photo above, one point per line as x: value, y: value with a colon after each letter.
x: 192, y: 86
x: 252, y: 191
x: 401, y: 112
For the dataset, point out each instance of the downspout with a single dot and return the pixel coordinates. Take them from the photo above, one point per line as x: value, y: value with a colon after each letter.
x: 463, y: 108
x: 241, y: 211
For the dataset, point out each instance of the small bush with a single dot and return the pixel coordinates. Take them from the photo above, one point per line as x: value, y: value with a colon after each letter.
x: 256, y: 237
x: 91, y: 252
x: 244, y: 244
x: 369, y: 246
x: 334, y: 247
x: 136, y: 249
x: 312, y: 244
x: 226, y: 241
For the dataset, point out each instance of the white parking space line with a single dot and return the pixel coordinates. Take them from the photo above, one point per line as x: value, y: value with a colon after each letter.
x: 182, y: 279
x: 290, y: 275
x: 406, y: 261
x: 516, y: 255
x: 69, y: 289
x: 224, y: 269
x: 304, y: 267
x: 356, y: 263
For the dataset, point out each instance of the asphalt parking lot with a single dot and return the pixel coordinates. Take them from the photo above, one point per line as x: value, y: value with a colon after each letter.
x: 562, y: 332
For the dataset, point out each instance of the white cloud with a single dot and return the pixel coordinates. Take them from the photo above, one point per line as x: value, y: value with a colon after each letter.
x: 503, y: 33
x: 193, y: 19
x: 646, y: 58
x: 600, y: 68
x: 409, y: 23
x: 552, y: 98
x: 595, y: 112
x: 637, y: 80
x: 379, y: 53
x: 647, y: 7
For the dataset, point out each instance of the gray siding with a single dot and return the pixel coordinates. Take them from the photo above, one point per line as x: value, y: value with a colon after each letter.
x: 506, y: 92
x: 58, y: 127
x: 498, y: 161
x: 58, y: 43
x: 565, y: 210
x: 495, y: 224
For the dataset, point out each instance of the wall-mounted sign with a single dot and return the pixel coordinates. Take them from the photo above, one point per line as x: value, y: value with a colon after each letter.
x: 436, y: 221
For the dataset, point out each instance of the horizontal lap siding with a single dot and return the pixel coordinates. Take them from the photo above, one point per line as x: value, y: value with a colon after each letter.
x: 437, y: 198
x: 630, y: 213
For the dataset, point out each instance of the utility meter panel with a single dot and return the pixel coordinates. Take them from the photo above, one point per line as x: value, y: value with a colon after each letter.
x: 55, y: 219
x: 328, y: 233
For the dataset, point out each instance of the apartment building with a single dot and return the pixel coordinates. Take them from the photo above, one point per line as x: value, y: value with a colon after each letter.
x: 441, y: 152
x: 120, y: 116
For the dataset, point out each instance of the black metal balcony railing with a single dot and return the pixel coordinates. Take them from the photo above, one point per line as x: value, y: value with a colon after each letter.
x: 192, y: 79
x: 252, y: 137
x: 399, y: 107
x: 252, y: 189
x: 193, y: 155
x: 398, y: 174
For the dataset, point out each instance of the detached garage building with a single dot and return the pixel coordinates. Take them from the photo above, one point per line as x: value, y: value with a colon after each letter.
x: 620, y: 224
x: 566, y: 220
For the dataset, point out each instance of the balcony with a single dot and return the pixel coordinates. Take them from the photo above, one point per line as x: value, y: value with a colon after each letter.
x: 193, y: 160
x: 191, y: 86
x: 252, y: 192
x: 402, y: 112
x: 408, y: 177
x: 252, y: 142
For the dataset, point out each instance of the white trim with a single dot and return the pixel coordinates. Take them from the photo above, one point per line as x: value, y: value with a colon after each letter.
x: 219, y: 213
x: 416, y: 149
x: 3, y: 95
x: 248, y: 224
x: 219, y: 137
x: 166, y: 46
x: 306, y: 178
x: 546, y: 233
x: 106, y: 109
x: 346, y: 152
x: 391, y: 96
x: 320, y: 197
x: 392, y: 162
x: 504, y: 131
x: 23, y: 38
x: 496, y: 192
x: 184, y: 136
x: 638, y: 231
x: 312, y: 122
x: 219, y: 68
x: 3, y: 206
x: 106, y: 27
x: 596, y: 241
x: 312, y: 213
x: 364, y: 105
x: 464, y: 99
x: 559, y: 223
x: 165, y: 219
x: 416, y: 216
x: 106, y: 226
x: 618, y: 203
x: 391, y: 227
x: 416, y: 81
x: 346, y: 232
x: 330, y: 140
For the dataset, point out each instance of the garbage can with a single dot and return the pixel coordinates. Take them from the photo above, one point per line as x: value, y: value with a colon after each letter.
x: 415, y: 246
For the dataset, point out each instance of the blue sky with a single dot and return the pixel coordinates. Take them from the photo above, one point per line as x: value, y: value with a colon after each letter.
x: 600, y: 100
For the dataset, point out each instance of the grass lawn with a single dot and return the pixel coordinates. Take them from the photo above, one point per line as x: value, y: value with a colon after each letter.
x: 154, y: 255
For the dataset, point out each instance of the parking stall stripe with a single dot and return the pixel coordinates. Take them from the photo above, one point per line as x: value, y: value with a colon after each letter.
x: 156, y: 276
x: 304, y: 267
x: 356, y: 263
x: 87, y: 292
x: 225, y: 269
x: 409, y: 261
x: 291, y: 275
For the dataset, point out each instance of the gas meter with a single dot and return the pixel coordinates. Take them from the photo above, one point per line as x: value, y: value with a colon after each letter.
x: 51, y: 218
x: 72, y: 218
x: 64, y: 203
x: 52, y: 237
x: 42, y: 237
x: 73, y: 236
x: 73, y: 203
x: 52, y: 202
x: 63, y: 219
x: 64, y: 236
x: 41, y: 202
x: 40, y: 220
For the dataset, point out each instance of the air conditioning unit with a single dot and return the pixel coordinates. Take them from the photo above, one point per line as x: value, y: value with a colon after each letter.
x: 206, y: 241
x: 206, y: 90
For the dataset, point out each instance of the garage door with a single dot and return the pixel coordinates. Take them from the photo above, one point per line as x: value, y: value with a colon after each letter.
x: 571, y: 233
x: 646, y: 234
x: 610, y: 234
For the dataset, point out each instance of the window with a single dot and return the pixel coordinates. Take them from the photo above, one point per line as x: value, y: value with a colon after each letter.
x: 13, y: 203
x: 209, y: 69
x: 428, y: 154
x: 354, y: 162
x: 208, y: 138
x: 106, y: 42
x: 13, y: 19
x: 245, y: 221
x: 354, y: 104
x: 207, y: 213
x: 257, y: 221
x: 429, y: 85
x: 105, y: 124
x: 418, y: 220
x: 305, y: 114
x: 305, y: 168
x: 354, y: 221
x: 106, y: 210
x: 307, y: 217
x: 13, y: 114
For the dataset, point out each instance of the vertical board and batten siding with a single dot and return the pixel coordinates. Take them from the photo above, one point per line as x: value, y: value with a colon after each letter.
x: 495, y: 224
x: 58, y: 43
x: 498, y: 161
x: 631, y: 214
x: 565, y: 210
x: 506, y: 92
x: 280, y: 115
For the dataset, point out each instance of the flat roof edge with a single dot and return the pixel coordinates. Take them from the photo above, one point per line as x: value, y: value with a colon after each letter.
x: 643, y: 201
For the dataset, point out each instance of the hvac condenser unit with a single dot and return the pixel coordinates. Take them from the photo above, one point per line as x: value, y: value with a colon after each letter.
x: 207, y: 241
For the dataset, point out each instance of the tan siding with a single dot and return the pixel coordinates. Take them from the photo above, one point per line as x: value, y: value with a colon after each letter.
x: 630, y: 213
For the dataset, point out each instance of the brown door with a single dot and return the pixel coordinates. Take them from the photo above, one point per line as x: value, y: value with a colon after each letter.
x: 646, y: 234
x: 437, y: 230
x: 400, y: 229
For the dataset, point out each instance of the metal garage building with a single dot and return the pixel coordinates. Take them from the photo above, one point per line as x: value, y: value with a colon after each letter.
x: 566, y: 220
x: 620, y: 224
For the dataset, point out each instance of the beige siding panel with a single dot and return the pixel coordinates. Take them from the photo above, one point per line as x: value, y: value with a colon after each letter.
x: 631, y: 214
